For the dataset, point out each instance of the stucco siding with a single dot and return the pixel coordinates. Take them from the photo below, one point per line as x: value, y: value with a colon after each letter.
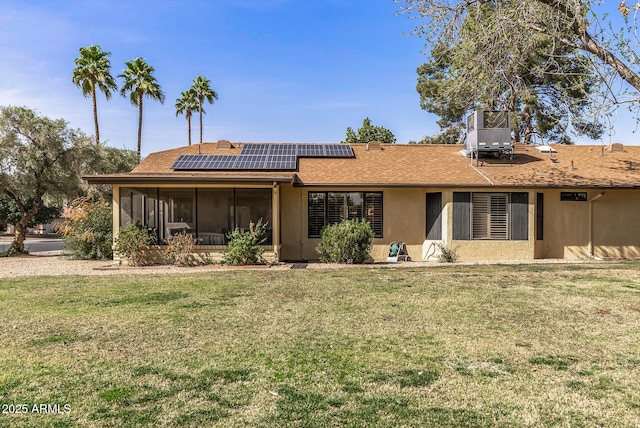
x: 403, y: 214
x: 616, y: 225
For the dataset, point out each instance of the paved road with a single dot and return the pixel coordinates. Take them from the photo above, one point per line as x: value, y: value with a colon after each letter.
x: 35, y: 245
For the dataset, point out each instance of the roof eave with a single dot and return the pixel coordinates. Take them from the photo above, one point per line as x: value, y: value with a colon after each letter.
x: 172, y: 179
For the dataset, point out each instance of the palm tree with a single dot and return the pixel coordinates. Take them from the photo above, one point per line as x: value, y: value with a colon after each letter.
x: 140, y: 82
x: 203, y: 92
x: 93, y: 70
x: 186, y: 105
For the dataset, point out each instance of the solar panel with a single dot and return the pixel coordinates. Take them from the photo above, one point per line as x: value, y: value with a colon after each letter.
x: 310, y: 150
x: 281, y: 162
x: 261, y: 156
x: 250, y: 162
x: 255, y: 149
x: 338, y: 151
x: 283, y: 149
x: 204, y: 162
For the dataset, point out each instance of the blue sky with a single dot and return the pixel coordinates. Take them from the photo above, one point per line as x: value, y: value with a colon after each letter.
x: 289, y: 71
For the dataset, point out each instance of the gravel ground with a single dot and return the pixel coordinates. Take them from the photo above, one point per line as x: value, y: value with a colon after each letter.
x: 55, y: 264
x: 30, y: 265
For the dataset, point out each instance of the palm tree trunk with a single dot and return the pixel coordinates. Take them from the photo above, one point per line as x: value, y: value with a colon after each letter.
x: 189, y: 126
x: 200, y: 100
x: 95, y: 113
x: 139, y: 124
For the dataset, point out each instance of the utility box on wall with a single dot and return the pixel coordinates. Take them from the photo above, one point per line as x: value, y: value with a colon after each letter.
x: 488, y: 131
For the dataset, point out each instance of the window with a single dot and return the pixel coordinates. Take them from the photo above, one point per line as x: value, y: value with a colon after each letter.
x: 499, y: 216
x: 490, y: 219
x: 207, y: 214
x: 215, y: 215
x: 138, y: 205
x: 333, y: 207
x: 573, y: 196
x: 178, y: 210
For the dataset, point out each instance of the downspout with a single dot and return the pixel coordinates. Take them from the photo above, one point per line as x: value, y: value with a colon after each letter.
x: 590, y: 248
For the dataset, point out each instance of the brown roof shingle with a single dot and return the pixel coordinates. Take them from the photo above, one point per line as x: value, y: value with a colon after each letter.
x: 418, y: 165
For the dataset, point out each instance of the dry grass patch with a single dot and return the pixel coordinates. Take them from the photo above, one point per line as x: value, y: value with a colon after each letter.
x: 534, y: 345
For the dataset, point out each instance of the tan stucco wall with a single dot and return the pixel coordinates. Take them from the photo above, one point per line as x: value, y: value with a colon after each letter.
x: 404, y: 212
x: 615, y: 233
x: 615, y: 225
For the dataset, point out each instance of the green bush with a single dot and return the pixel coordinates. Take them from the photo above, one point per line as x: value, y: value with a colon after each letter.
x: 88, y: 230
x: 346, y: 242
x: 244, y: 245
x: 180, y: 250
x: 132, y: 243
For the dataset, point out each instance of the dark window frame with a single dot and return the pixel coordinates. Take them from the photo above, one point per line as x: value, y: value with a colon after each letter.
x: 313, y: 229
x: 573, y: 196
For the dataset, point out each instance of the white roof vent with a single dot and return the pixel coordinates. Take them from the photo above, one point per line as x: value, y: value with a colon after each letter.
x: 545, y: 149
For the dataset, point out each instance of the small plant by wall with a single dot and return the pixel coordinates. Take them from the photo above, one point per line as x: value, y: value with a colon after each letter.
x: 180, y: 248
x: 447, y: 254
x: 347, y: 242
x: 132, y: 243
x: 243, y: 247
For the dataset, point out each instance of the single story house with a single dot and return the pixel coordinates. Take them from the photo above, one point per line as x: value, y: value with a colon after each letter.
x: 534, y: 202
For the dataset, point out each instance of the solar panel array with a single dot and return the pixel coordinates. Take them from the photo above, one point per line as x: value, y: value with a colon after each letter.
x: 263, y: 156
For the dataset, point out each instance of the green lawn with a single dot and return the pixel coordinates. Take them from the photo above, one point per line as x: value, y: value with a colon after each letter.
x: 534, y: 345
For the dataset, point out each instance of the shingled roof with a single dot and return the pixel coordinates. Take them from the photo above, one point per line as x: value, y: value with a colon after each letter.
x: 413, y: 165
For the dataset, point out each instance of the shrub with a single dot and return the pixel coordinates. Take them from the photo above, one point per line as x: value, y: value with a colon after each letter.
x: 132, y: 243
x: 180, y: 250
x: 88, y: 231
x: 346, y: 242
x: 244, y: 245
x: 447, y: 254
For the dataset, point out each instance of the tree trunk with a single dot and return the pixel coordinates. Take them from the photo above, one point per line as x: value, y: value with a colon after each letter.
x: 528, y: 125
x: 17, y: 246
x: 95, y: 112
x: 189, y: 126
x: 200, y: 100
x: 139, y: 124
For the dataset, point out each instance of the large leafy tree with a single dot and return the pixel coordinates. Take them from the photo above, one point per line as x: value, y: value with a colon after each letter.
x: 187, y: 104
x: 139, y: 82
x: 110, y: 160
x: 93, y: 73
x: 202, y: 88
x: 608, y: 49
x: 368, y: 132
x: 40, y: 163
x: 540, y: 99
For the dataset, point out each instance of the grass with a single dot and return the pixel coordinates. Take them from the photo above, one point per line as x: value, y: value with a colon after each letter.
x: 474, y: 346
